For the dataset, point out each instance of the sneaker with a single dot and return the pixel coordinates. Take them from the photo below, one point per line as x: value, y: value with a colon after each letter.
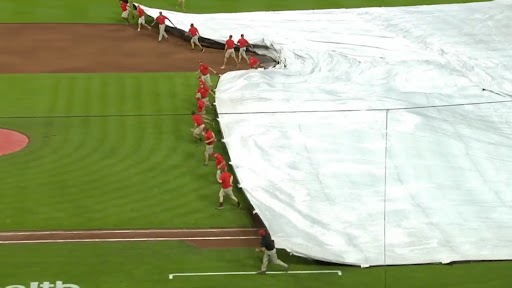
x: 239, y: 205
x: 205, y: 164
x: 202, y: 50
x: 287, y: 268
x: 222, y: 67
x: 262, y: 272
x: 220, y: 207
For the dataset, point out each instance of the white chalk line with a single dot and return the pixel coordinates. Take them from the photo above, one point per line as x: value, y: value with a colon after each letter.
x: 171, y: 276
x: 124, y: 231
x: 127, y: 239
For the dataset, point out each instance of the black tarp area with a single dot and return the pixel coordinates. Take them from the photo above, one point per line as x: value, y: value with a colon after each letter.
x: 265, y: 61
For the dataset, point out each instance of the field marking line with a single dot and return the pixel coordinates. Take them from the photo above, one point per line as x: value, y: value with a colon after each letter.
x: 127, y: 240
x: 171, y: 276
x: 125, y: 231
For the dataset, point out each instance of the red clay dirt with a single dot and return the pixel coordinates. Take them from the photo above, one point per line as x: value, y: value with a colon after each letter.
x: 98, y: 48
x: 11, y: 141
x: 201, y: 238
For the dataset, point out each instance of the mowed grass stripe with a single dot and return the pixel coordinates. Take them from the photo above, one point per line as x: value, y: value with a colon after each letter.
x: 114, y: 172
x: 96, y: 94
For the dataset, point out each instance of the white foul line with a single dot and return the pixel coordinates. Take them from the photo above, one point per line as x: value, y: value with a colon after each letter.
x: 171, y: 276
x: 124, y: 231
x: 126, y: 240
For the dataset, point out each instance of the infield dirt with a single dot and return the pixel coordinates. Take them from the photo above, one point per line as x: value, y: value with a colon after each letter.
x: 98, y: 48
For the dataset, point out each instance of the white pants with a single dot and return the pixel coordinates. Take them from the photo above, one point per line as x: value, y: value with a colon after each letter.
x: 195, y: 40
x: 230, y: 53
x: 198, y: 130
x: 206, y: 78
x: 125, y: 14
x: 209, y: 149
x: 141, y: 20
x: 242, y: 53
x: 272, y: 256
x: 162, y: 32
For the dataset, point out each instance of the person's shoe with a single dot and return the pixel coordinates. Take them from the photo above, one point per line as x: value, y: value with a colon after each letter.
x: 239, y: 205
x: 220, y: 207
x: 262, y: 272
x: 205, y: 164
x: 287, y: 269
x: 202, y: 50
x: 222, y: 67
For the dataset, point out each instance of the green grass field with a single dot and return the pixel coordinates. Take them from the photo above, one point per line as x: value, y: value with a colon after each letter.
x: 102, y: 11
x: 103, y: 169
x: 114, y: 151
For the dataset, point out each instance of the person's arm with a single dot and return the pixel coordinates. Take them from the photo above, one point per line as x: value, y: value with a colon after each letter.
x: 154, y: 21
x: 171, y: 22
x: 231, y: 180
x: 212, y: 70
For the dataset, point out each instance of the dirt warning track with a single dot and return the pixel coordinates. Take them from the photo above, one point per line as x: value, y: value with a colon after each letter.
x: 97, y: 48
x: 202, y: 238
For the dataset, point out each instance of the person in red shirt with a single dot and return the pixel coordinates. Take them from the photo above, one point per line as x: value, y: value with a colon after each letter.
x: 229, y: 50
x: 204, y: 71
x: 220, y: 163
x: 161, y: 25
x: 142, y: 20
x: 201, y: 109
x: 194, y: 33
x: 197, y: 131
x: 243, y: 44
x: 203, y: 91
x: 125, y: 11
x: 226, y: 183
x: 254, y: 62
x: 209, y: 140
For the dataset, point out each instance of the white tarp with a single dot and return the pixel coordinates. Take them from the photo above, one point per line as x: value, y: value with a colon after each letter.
x: 375, y: 187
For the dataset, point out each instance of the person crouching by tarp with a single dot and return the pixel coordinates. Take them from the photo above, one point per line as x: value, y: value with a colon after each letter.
x: 267, y: 246
x: 254, y: 63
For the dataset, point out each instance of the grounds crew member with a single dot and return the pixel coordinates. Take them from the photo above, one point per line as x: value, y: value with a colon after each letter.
x: 267, y: 246
x: 161, y: 18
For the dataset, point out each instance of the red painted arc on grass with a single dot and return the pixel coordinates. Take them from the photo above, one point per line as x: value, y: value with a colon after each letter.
x: 11, y: 141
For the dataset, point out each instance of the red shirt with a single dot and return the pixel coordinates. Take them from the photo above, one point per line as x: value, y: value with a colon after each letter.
x: 209, y: 136
x: 225, y: 179
x: 230, y: 44
x: 198, y: 120
x: 242, y: 42
x: 203, y: 68
x: 200, y: 105
x: 203, y: 91
x: 124, y: 6
x: 253, y: 62
x: 202, y: 83
x: 161, y: 19
x: 193, y: 31
x: 140, y: 12
x: 219, y: 161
